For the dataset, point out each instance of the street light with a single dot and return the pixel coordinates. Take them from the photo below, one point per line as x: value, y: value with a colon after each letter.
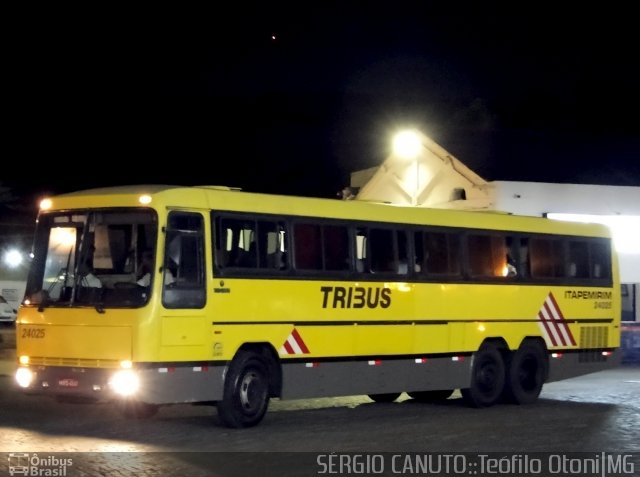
x: 13, y: 258
x: 408, y: 145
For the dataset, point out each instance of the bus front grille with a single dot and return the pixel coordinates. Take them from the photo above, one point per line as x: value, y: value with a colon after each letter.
x: 73, y: 362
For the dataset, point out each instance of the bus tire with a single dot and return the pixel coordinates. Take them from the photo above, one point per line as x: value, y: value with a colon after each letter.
x: 246, y: 391
x: 526, y: 371
x: 487, y: 377
x: 386, y: 397
x: 431, y: 396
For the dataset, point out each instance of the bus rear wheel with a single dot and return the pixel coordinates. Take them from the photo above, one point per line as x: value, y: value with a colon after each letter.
x: 246, y: 391
x: 431, y: 396
x: 487, y: 377
x: 386, y: 397
x: 526, y: 371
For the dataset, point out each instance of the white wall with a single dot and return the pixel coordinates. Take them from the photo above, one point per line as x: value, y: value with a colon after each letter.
x: 538, y: 198
x: 12, y: 291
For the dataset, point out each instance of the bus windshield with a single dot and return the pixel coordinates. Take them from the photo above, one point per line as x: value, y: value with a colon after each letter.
x: 93, y: 258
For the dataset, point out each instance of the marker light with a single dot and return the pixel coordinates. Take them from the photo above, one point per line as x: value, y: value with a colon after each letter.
x: 45, y: 204
x: 126, y: 364
x: 23, y: 360
x: 144, y: 199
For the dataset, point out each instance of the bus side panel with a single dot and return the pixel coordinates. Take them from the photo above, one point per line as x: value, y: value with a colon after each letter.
x: 346, y: 378
x: 182, y: 383
x: 571, y: 365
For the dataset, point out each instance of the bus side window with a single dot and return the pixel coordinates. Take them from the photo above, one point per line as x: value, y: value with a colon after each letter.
x: 361, y: 250
x: 381, y: 246
x: 511, y: 265
x: 184, y: 278
x: 272, y: 245
x: 225, y: 252
x: 578, y: 266
x: 524, y: 262
x: 307, y: 244
x: 437, y: 253
x: 487, y: 256
x: 335, y: 248
x: 546, y: 258
x: 402, y: 242
x: 600, y: 259
x: 320, y: 247
x: 248, y: 257
x: 388, y: 251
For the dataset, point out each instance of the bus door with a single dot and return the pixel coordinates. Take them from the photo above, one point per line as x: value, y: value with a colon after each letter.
x: 183, y: 287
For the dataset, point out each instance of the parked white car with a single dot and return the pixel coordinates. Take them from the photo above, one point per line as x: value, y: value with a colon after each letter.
x: 7, y: 312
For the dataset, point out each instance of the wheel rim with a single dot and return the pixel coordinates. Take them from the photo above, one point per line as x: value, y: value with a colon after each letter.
x: 252, y: 393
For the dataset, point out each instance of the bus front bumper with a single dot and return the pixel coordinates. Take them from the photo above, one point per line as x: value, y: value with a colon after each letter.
x: 151, y: 384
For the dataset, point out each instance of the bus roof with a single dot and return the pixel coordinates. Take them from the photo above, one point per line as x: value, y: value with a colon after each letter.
x: 231, y: 199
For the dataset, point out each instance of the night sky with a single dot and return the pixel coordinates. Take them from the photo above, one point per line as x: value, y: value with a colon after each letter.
x: 291, y: 99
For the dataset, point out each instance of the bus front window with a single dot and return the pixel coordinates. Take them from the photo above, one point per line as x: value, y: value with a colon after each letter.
x: 92, y: 258
x: 60, y: 260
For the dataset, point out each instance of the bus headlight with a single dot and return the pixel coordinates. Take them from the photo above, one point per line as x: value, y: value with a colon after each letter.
x: 125, y: 382
x: 24, y: 377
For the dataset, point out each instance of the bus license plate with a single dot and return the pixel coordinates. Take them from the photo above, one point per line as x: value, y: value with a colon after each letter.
x: 68, y: 383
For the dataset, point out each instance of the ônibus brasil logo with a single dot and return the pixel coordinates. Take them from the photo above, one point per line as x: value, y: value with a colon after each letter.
x: 24, y: 463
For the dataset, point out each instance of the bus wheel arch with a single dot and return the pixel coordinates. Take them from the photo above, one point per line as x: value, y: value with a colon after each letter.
x: 251, y: 378
x: 274, y: 367
x: 487, y: 374
x: 527, y: 369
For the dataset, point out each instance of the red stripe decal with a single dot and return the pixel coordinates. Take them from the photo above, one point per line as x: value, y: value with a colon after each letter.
x: 566, y: 327
x: 300, y: 341
x: 556, y: 324
x: 547, y: 329
x: 288, y: 348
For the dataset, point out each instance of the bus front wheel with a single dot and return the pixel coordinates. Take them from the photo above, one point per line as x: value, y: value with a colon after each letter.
x: 246, y: 391
x: 487, y: 377
x: 526, y: 372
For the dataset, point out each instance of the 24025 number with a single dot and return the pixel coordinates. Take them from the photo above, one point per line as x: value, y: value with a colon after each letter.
x: 34, y: 333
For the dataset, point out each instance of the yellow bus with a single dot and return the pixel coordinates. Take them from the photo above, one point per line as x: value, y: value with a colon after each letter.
x: 153, y: 295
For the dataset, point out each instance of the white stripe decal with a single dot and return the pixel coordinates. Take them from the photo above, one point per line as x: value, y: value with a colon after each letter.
x: 293, y: 345
x: 554, y: 327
